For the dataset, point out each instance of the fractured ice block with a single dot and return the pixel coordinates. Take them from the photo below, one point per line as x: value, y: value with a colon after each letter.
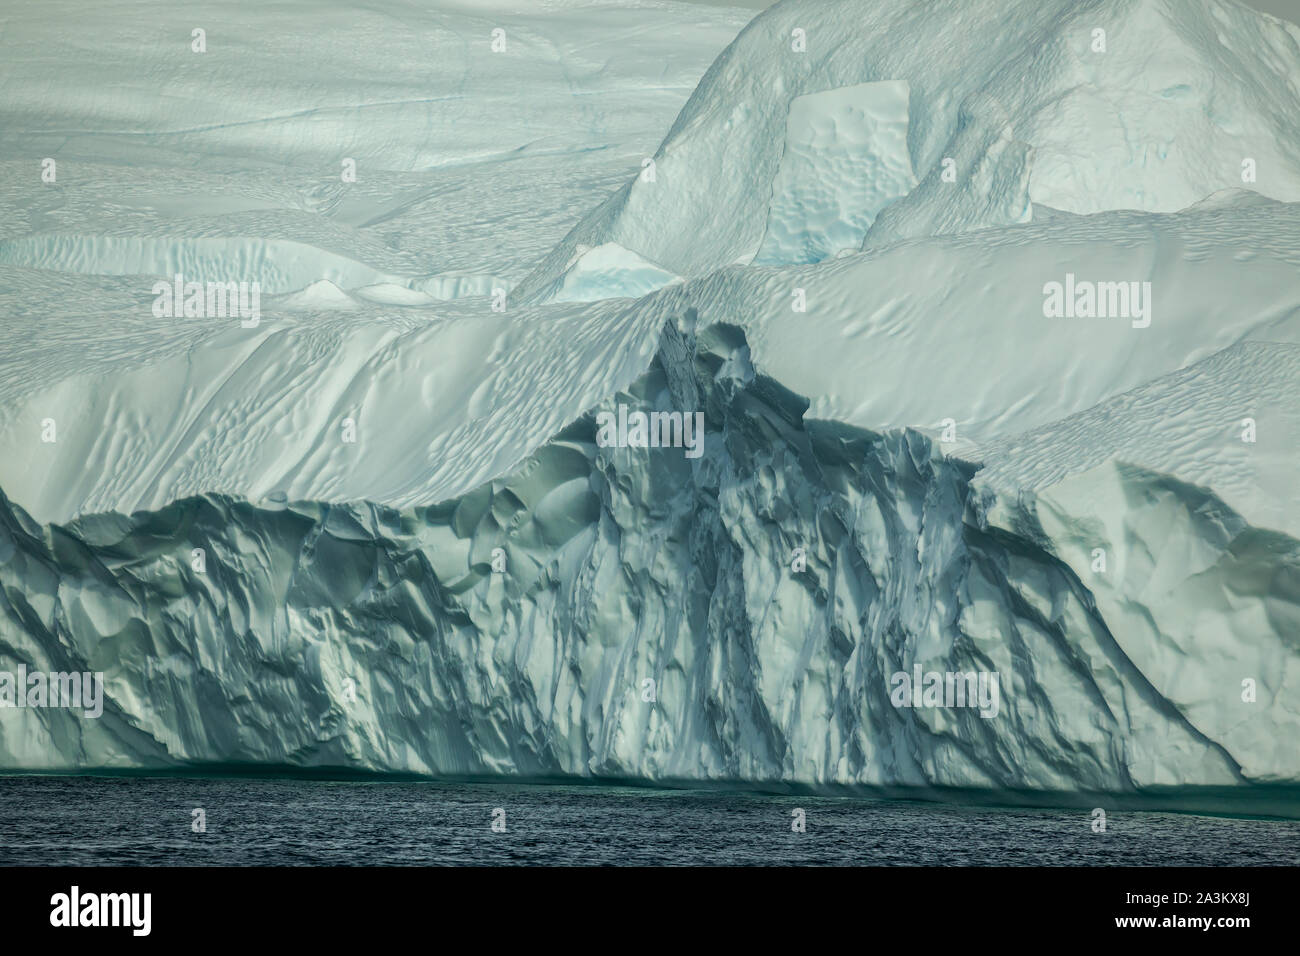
x: 845, y: 159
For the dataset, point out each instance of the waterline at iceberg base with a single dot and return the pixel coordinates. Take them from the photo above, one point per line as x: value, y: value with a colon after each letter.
x: 762, y: 594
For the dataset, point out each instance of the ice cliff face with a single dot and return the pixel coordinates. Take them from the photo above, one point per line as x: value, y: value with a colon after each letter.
x: 619, y: 565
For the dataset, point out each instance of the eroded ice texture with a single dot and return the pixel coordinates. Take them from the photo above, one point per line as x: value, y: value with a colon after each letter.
x: 845, y: 159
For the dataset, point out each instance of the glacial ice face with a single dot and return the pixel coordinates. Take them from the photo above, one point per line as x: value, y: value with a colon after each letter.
x: 621, y: 565
x: 1198, y: 587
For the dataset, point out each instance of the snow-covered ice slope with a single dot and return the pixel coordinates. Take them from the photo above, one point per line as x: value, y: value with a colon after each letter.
x: 278, y: 265
x: 954, y: 308
x: 437, y: 398
x: 464, y: 160
x: 445, y: 397
x: 382, y: 528
x: 562, y: 74
x: 1160, y: 112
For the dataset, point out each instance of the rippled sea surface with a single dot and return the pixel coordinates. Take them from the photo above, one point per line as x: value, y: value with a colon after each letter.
x: 149, y: 821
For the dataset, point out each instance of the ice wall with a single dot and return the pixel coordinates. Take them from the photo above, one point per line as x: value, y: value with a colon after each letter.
x: 623, y: 564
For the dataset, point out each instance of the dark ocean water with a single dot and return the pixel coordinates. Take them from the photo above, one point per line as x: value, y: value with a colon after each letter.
x: 250, y: 821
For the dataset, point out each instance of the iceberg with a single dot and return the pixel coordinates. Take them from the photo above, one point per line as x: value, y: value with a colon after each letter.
x: 767, y: 591
x: 928, y: 419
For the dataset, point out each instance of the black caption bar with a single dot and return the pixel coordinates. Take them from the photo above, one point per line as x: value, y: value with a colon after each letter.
x: 327, y: 906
